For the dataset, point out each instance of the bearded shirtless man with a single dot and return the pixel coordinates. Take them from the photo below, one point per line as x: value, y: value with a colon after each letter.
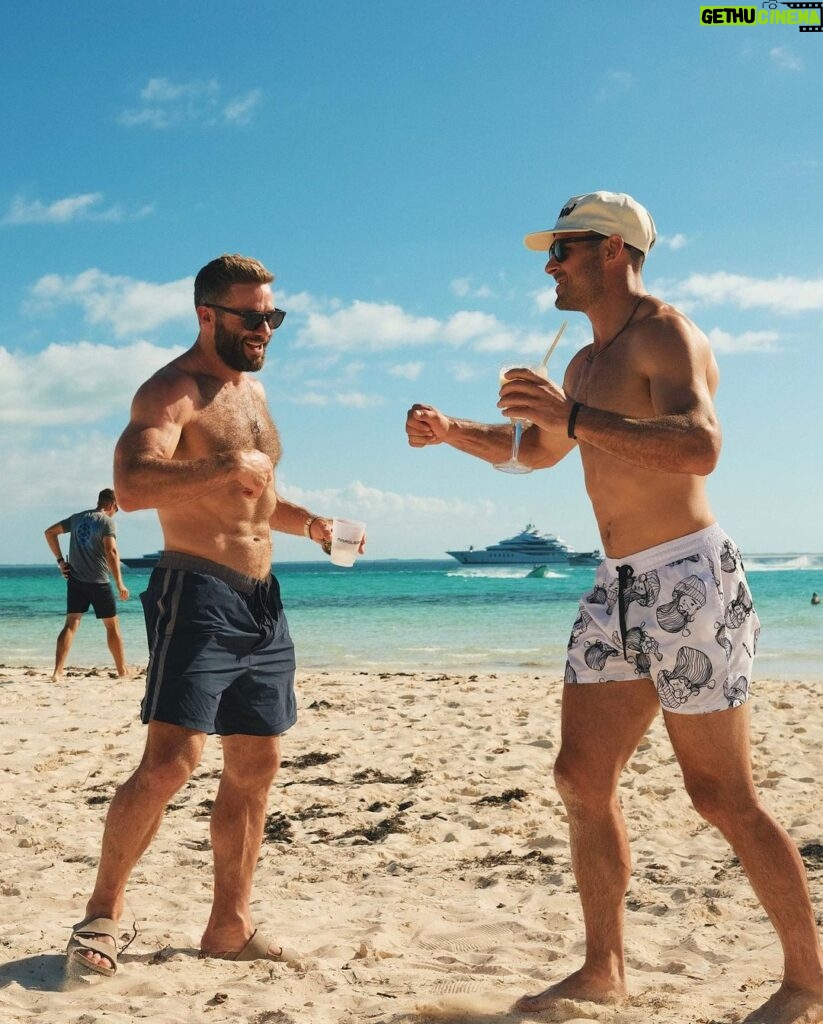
x: 671, y: 593
x: 201, y: 448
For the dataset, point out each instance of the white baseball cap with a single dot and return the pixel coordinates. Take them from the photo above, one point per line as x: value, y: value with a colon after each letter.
x: 607, y: 213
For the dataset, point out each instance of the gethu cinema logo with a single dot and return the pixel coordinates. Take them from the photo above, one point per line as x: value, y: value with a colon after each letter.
x: 807, y: 16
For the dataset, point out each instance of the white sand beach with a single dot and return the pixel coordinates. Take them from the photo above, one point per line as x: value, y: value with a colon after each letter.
x: 416, y: 854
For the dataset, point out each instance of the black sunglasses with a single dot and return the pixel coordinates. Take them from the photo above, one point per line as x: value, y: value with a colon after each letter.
x: 559, y: 247
x: 252, y: 318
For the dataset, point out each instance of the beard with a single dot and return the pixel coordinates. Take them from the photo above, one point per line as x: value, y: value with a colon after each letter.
x: 584, y: 290
x: 229, y: 345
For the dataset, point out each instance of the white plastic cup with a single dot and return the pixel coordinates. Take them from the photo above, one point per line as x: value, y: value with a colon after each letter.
x: 346, y: 535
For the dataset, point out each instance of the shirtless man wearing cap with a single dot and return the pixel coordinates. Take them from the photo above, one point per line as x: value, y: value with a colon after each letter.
x: 669, y: 621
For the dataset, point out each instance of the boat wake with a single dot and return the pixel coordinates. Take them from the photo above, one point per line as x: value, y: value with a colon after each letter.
x: 782, y: 563
x: 519, y: 572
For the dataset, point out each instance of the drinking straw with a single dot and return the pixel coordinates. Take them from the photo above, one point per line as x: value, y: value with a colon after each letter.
x: 553, y: 345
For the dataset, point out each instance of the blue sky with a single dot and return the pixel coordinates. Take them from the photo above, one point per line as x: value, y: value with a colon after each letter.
x: 385, y: 160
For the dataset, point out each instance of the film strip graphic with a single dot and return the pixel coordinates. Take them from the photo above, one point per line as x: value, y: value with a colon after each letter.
x: 818, y: 6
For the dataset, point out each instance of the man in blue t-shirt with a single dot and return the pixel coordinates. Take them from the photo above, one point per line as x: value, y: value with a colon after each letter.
x: 92, y: 559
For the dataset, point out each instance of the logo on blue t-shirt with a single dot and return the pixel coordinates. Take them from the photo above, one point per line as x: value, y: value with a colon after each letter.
x: 85, y: 532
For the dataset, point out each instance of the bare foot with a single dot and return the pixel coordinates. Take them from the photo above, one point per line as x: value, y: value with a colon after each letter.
x: 57, y: 677
x: 576, y: 986
x: 789, y: 1006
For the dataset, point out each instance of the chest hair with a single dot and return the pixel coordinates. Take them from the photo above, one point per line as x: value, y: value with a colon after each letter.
x: 230, y: 417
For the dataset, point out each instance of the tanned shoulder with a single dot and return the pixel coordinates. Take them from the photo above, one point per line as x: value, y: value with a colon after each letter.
x: 666, y: 332
x: 668, y: 346
x: 173, y: 392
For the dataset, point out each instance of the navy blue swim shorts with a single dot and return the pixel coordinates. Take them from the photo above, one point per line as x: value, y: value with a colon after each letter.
x: 221, y: 659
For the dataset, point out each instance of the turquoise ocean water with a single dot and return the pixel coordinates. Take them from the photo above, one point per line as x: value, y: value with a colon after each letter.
x: 432, y: 616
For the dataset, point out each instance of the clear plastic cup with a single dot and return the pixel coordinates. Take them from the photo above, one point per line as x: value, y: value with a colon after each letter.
x: 346, y: 535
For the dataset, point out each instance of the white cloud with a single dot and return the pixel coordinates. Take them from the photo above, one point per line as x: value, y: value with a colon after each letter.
x: 166, y: 104
x: 60, y: 211
x: 350, y: 399
x: 500, y: 341
x: 358, y: 400
x: 63, y: 211
x: 463, y: 287
x: 674, y: 242
x: 296, y: 380
x: 408, y: 371
x: 125, y: 305
x: 376, y: 505
x: 375, y: 326
x: 239, y: 111
x: 161, y: 90
x: 780, y: 294
x: 785, y: 59
x: 466, y: 325
x: 66, y: 475
x: 367, y: 325
x: 299, y: 302
x: 69, y: 385
x: 749, y: 341
x: 310, y: 398
x: 150, y: 116
x: 785, y: 295
x: 544, y: 299
x: 464, y: 372
x: 325, y: 380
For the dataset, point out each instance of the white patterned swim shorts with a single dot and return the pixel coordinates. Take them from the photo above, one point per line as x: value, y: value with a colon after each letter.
x: 680, y: 614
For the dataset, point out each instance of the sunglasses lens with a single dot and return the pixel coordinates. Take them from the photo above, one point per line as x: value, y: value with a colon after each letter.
x: 252, y: 320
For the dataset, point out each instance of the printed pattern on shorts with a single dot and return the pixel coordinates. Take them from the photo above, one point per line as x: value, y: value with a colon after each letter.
x: 680, y: 614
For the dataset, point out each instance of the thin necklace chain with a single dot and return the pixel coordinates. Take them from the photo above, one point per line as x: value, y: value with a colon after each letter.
x: 590, y: 358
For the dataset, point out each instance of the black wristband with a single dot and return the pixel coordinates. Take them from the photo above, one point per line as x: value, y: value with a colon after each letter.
x: 573, y: 419
x: 61, y: 559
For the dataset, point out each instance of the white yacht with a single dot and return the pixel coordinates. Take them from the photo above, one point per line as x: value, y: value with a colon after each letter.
x: 530, y: 547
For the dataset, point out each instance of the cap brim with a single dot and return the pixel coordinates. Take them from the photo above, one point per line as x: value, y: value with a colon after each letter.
x: 541, y: 241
